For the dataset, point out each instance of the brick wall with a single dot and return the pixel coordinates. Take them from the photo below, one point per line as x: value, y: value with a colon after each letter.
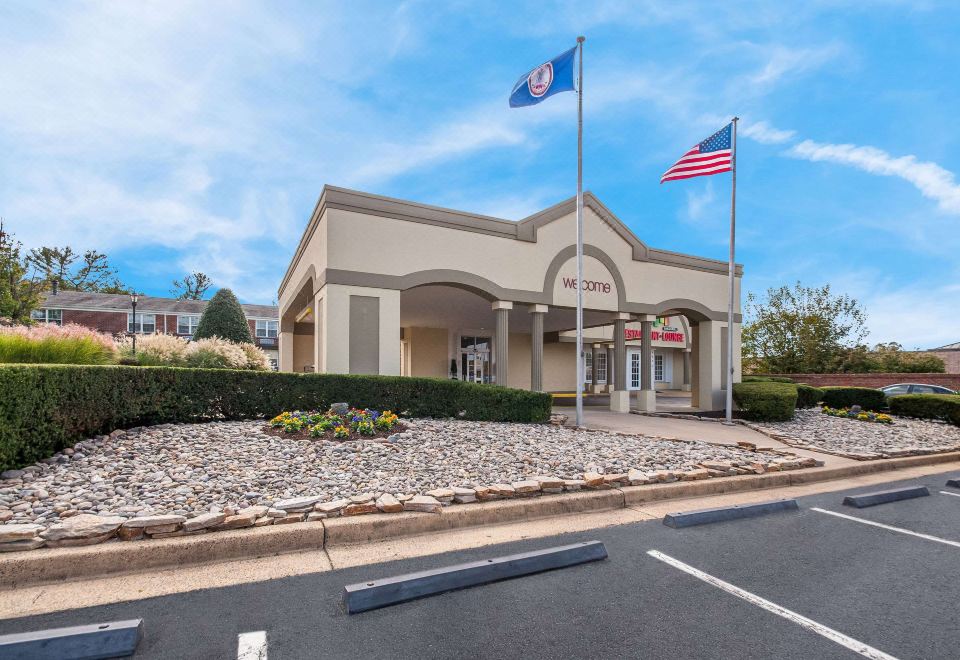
x: 110, y: 322
x: 876, y: 380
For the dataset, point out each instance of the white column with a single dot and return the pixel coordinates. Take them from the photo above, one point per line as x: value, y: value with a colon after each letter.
x: 501, y: 357
x: 647, y: 396
x: 619, y: 395
x: 710, y: 395
x: 537, y: 313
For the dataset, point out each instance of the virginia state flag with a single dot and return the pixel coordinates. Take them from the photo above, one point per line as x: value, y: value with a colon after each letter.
x: 545, y: 80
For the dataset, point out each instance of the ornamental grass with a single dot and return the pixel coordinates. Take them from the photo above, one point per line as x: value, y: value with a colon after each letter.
x: 54, y: 344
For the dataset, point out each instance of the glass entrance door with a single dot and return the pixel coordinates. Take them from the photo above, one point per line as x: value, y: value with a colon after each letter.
x: 475, y: 359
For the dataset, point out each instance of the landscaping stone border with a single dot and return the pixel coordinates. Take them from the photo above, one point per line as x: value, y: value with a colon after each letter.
x: 89, y: 529
x: 55, y: 564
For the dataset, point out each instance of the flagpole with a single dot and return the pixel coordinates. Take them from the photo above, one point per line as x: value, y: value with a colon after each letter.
x: 580, y: 365
x: 732, y: 268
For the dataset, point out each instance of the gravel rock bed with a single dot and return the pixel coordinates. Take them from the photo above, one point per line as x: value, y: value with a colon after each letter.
x: 153, y: 480
x: 851, y: 438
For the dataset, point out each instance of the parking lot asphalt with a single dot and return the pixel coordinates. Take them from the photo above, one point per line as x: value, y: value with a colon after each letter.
x: 885, y: 593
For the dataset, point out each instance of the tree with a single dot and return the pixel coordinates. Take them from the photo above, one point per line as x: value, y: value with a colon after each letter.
x: 889, y: 358
x: 224, y: 318
x: 90, y: 271
x: 191, y: 287
x: 19, y: 294
x: 801, y: 330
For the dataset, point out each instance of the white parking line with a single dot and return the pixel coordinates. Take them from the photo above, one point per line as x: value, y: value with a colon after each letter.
x: 252, y: 645
x: 944, y: 492
x: 809, y: 624
x: 900, y: 530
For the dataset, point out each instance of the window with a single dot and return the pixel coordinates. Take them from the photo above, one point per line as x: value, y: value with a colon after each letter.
x: 588, y: 366
x: 658, y: 368
x: 266, y: 328
x: 602, y: 367
x: 187, y: 325
x: 635, y: 370
x: 146, y: 324
x: 54, y: 316
x: 274, y: 363
x: 894, y: 390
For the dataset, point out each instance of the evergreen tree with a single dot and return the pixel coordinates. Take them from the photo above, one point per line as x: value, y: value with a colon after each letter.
x: 224, y: 318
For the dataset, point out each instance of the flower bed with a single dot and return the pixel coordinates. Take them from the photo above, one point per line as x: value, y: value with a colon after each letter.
x: 855, y: 412
x: 350, y: 424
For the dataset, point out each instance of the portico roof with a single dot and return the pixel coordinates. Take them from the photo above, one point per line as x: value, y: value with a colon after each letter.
x: 523, y: 230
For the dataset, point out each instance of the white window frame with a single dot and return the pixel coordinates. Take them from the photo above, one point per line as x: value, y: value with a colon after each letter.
x: 49, y: 316
x: 137, y: 327
x: 659, y: 364
x: 602, y: 367
x: 634, y: 371
x: 588, y: 366
x: 269, y: 328
x: 192, y: 321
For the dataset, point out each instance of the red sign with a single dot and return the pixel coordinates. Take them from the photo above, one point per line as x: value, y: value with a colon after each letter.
x: 655, y: 335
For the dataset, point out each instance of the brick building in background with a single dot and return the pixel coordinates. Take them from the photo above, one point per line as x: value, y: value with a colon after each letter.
x: 112, y: 313
x: 950, y: 354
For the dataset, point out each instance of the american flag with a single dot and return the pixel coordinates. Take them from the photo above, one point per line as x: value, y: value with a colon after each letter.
x: 712, y: 156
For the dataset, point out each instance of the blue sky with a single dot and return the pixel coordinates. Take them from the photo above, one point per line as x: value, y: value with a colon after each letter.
x: 180, y: 136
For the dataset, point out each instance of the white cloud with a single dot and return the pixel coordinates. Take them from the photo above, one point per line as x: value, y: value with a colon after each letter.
x: 764, y: 133
x: 933, y: 182
x: 782, y: 61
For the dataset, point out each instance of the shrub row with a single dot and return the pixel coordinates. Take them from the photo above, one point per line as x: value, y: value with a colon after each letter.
x: 767, y: 379
x: 927, y: 406
x: 844, y: 397
x: 766, y: 401
x: 45, y: 408
x: 808, y: 396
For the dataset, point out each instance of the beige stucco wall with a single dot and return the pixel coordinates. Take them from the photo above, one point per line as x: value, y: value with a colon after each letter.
x: 428, y: 352
x: 518, y: 374
x: 513, y: 263
x: 559, y: 367
x: 303, y: 351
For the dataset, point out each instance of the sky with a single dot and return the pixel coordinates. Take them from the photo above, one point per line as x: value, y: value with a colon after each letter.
x: 178, y: 136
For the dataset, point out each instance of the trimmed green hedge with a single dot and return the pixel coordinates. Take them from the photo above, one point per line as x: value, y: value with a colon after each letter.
x: 767, y: 379
x: 808, y: 396
x: 844, y: 397
x: 45, y: 408
x: 766, y: 401
x: 927, y: 406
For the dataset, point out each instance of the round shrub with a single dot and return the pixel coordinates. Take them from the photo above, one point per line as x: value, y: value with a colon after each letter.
x: 216, y: 353
x: 845, y: 397
x: 155, y: 350
x: 927, y: 406
x: 808, y: 396
x: 766, y: 401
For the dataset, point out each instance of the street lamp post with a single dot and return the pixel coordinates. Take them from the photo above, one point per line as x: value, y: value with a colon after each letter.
x: 133, y: 302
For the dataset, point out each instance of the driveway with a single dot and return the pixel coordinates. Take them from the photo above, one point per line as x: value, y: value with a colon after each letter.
x: 866, y: 583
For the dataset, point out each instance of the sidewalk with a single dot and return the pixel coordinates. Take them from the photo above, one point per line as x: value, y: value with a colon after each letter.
x: 688, y: 429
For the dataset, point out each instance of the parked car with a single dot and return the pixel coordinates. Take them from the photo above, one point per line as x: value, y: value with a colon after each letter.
x: 915, y: 388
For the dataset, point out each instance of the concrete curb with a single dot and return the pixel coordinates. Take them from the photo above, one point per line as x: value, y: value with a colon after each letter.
x: 58, y: 564
x: 115, y: 639
x: 884, y: 496
x: 365, y: 596
x: 723, y: 514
